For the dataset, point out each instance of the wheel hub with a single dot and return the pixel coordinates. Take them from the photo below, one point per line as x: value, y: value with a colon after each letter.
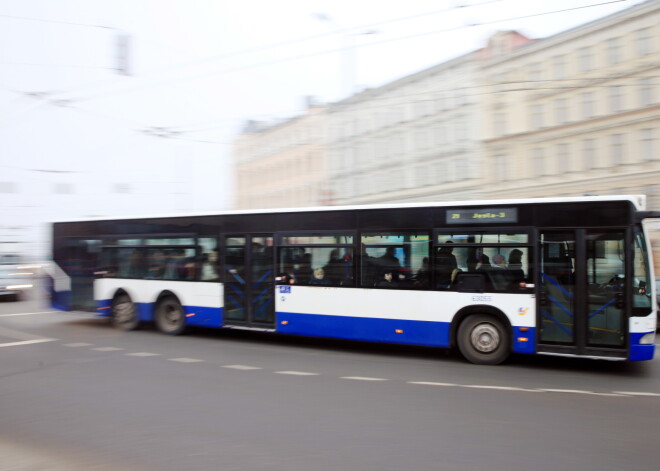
x: 485, y: 338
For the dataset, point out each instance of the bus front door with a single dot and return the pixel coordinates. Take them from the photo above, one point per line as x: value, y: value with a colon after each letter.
x: 249, y: 281
x: 581, y: 292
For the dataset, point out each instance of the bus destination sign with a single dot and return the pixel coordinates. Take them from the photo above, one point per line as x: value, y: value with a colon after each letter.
x: 481, y: 216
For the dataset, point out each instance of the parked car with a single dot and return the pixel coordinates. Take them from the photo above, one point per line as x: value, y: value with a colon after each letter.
x: 16, y: 278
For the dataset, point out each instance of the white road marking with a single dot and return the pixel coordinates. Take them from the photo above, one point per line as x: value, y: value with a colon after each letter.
x: 636, y: 393
x: 28, y: 313
x: 19, y: 334
x: 185, y: 360
x: 579, y: 391
x: 501, y: 388
x: 26, y: 342
x: 570, y: 391
x: 107, y: 349
x: 364, y: 378
x: 142, y: 354
x: 429, y: 383
x: 513, y: 388
x: 78, y: 344
x: 296, y: 373
x: 242, y: 367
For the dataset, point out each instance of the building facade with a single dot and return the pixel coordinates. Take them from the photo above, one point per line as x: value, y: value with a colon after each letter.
x: 577, y: 113
x: 409, y: 140
x: 572, y: 114
x: 282, y: 164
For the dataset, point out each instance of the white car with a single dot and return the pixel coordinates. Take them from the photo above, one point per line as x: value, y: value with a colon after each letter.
x: 16, y: 278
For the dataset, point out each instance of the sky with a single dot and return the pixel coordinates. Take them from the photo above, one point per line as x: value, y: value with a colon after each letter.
x: 198, y: 69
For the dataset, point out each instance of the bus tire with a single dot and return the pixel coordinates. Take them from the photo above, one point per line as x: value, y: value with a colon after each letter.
x: 483, y: 340
x: 169, y: 317
x: 124, y: 313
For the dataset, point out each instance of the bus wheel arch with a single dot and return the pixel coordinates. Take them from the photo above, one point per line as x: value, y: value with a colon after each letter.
x: 124, y: 313
x: 169, y: 315
x: 482, y: 334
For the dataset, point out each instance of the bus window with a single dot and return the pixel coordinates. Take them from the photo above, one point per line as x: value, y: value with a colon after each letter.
x: 179, y: 264
x: 641, y: 277
x: 504, y: 267
x: 316, y: 260
x: 209, y: 259
x: 398, y: 260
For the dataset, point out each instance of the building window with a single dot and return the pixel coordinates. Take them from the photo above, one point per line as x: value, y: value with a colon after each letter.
x: 440, y: 135
x: 535, y: 72
x: 646, y: 91
x: 123, y: 188
x: 613, y: 51
x: 585, y: 59
x: 616, y: 98
x: 499, y: 124
x: 461, y: 97
x: 648, y: 144
x: 461, y: 130
x: 8, y: 187
x: 561, y: 110
x: 589, y: 153
x: 617, y: 147
x: 559, y: 67
x: 588, y: 105
x: 63, y: 188
x: 538, y: 160
x: 644, y: 42
x: 537, y: 116
x: 500, y: 171
x: 440, y: 103
x: 421, y: 176
x: 563, y: 158
x: 420, y: 108
x: 421, y: 140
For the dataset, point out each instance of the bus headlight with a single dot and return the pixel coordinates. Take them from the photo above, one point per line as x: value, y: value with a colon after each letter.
x: 647, y: 339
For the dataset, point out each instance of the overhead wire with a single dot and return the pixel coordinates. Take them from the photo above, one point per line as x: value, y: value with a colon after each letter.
x: 334, y: 50
x: 69, y: 102
x: 250, y: 50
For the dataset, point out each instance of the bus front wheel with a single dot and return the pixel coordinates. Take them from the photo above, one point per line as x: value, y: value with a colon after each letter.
x: 124, y: 313
x: 483, y: 340
x: 170, y: 317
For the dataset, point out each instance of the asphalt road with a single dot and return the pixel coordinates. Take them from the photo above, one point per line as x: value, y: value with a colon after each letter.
x: 76, y: 394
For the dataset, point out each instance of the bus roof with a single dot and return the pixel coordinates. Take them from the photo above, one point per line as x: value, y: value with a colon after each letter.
x: 638, y: 201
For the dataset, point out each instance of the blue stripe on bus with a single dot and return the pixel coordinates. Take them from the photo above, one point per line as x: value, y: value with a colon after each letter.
x: 409, y: 332
x: 427, y: 333
x: 195, y: 315
x: 103, y: 307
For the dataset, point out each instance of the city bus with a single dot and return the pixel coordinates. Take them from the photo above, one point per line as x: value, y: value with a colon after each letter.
x: 569, y: 277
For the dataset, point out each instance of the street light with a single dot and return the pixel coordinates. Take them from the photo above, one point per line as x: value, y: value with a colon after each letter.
x: 349, y: 67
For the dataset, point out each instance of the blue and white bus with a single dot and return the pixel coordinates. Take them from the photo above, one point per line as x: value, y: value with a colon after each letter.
x: 561, y: 276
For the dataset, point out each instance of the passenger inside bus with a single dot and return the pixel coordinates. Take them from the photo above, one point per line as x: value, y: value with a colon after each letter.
x: 387, y: 280
x: 445, y: 264
x: 319, y: 278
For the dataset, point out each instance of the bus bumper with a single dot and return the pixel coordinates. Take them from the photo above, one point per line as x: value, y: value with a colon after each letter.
x: 641, y: 351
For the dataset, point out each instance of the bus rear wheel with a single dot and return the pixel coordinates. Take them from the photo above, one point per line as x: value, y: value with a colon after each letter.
x: 483, y: 340
x: 170, y: 318
x: 124, y: 313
